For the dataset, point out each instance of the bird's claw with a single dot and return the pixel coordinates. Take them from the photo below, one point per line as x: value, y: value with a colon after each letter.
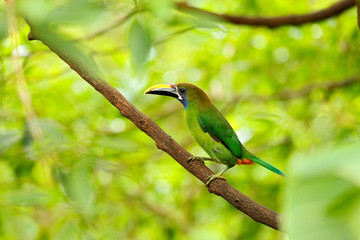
x: 212, y: 178
x: 194, y: 158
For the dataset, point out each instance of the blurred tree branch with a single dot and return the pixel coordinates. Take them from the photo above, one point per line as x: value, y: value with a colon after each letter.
x: 21, y: 84
x: 311, y: 87
x: 292, y: 94
x: 358, y: 11
x: 157, y: 42
x: 171, y: 35
x: 165, y: 213
x: 78, y: 62
x: 273, y: 22
x: 115, y: 24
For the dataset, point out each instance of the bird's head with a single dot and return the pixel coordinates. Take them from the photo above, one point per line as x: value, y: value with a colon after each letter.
x: 184, y: 92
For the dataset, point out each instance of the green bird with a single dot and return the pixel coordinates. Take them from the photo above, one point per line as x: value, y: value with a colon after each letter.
x: 210, y: 129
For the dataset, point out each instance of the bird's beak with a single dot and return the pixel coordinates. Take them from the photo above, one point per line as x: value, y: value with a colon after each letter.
x: 164, y: 89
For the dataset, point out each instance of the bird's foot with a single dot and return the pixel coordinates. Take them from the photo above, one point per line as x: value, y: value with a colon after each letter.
x: 213, y: 177
x: 195, y: 158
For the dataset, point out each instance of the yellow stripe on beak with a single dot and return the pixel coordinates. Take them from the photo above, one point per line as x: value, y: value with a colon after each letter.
x: 158, y: 87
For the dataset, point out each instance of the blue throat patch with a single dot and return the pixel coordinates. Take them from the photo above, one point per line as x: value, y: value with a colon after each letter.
x: 184, y: 101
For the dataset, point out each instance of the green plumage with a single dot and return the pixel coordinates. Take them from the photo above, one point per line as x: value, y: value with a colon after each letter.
x: 209, y: 127
x: 213, y: 132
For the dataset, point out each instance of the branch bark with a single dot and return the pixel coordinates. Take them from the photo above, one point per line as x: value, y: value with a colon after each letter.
x: 69, y: 54
x: 273, y: 22
x: 358, y: 12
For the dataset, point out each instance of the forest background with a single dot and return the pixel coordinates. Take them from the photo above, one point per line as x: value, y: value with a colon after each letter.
x: 73, y: 167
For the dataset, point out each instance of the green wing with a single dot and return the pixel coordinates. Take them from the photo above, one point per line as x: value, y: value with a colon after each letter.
x: 220, y: 130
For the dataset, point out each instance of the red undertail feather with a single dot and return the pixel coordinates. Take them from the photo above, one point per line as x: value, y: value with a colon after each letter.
x: 244, y: 161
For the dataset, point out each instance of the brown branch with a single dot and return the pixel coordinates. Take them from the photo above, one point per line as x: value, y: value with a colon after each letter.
x: 273, y: 22
x: 358, y: 12
x: 163, y: 141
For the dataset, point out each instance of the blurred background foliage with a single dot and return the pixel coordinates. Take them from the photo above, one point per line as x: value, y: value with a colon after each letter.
x: 71, y: 167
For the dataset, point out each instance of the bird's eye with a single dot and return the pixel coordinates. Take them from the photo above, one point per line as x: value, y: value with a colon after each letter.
x: 182, y: 90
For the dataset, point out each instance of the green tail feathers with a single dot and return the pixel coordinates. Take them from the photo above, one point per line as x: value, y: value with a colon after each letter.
x: 261, y: 162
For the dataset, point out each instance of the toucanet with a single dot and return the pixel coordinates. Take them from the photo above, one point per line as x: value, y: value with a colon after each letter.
x: 209, y: 128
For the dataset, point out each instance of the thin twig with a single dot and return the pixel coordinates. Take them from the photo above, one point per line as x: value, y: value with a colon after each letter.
x: 157, y: 42
x: 115, y: 24
x: 171, y: 35
x: 309, y: 88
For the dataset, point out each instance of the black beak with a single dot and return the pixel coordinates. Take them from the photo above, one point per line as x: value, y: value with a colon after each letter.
x: 163, y: 89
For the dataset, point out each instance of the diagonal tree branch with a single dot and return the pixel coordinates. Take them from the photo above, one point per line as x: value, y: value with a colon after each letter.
x: 69, y: 54
x: 273, y: 22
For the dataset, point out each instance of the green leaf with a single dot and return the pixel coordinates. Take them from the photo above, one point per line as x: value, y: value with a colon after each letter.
x: 53, y: 131
x: 8, y: 139
x: 37, y: 9
x: 162, y: 9
x: 69, y: 230
x: 76, y: 184
x: 3, y: 24
x: 140, y: 44
x: 82, y: 11
x: 28, y: 197
x: 320, y: 195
